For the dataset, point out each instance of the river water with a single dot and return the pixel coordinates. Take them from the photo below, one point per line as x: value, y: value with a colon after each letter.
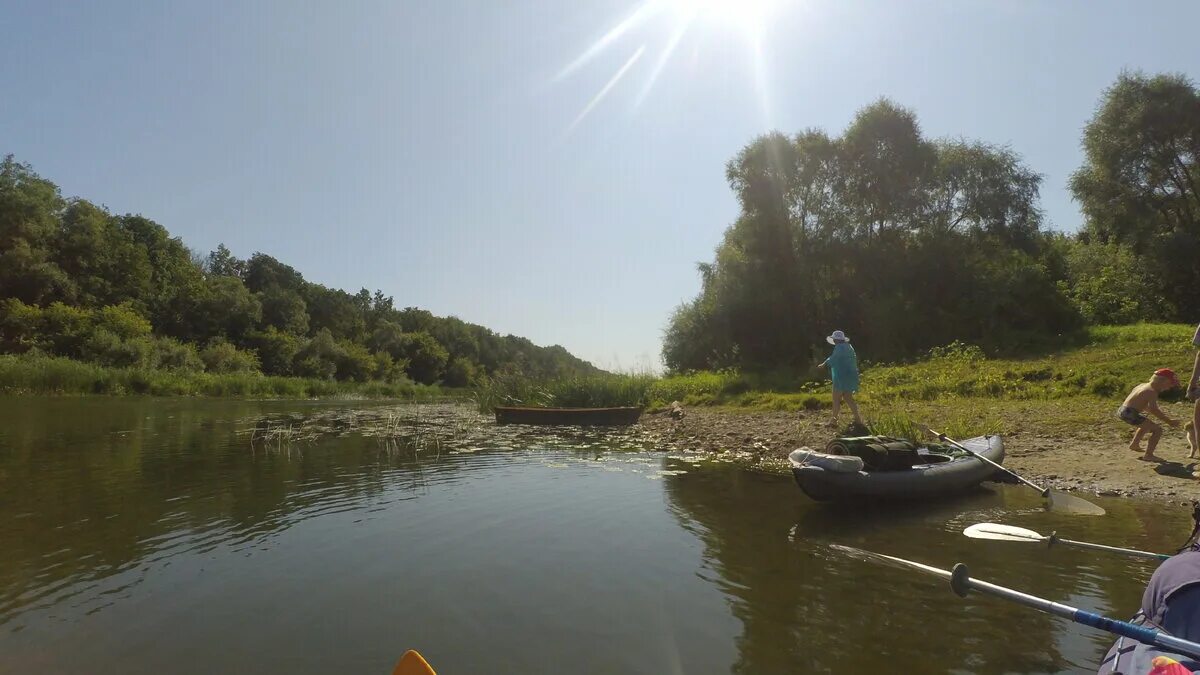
x: 202, y: 536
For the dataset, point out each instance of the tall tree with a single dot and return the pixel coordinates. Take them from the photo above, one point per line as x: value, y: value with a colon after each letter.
x: 1140, y: 183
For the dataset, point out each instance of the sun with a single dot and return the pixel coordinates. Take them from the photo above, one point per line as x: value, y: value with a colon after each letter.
x: 748, y: 17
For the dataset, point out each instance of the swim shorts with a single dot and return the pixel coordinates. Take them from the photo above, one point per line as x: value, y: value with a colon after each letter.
x: 1130, y: 415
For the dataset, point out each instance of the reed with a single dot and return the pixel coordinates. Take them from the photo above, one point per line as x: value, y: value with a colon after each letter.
x: 582, y: 391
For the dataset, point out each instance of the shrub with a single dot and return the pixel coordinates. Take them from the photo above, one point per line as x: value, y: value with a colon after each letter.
x: 222, y: 357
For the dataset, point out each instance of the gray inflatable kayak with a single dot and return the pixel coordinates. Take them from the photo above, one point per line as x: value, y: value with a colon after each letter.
x: 840, y: 478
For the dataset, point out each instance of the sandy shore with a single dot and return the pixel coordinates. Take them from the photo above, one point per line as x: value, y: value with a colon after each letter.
x: 1089, y: 454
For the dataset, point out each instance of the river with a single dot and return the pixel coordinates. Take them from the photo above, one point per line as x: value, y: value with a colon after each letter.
x: 201, y: 536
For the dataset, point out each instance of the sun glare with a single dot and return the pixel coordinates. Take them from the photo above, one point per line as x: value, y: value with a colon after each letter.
x: 746, y: 18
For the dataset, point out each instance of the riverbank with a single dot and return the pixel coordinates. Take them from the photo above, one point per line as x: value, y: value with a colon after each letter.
x: 50, y: 375
x: 1073, y: 444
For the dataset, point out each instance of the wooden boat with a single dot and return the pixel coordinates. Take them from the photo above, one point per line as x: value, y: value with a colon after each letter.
x: 826, y: 477
x: 612, y: 417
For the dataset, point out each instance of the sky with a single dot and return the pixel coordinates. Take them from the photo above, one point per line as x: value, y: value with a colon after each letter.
x: 553, y: 170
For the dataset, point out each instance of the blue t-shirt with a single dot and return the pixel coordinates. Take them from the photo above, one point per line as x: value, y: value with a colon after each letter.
x: 843, y: 367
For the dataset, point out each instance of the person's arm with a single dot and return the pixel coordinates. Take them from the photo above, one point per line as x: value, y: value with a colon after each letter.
x: 1153, y: 408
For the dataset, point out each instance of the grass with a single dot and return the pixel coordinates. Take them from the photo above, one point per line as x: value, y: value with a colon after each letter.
x: 583, y: 391
x: 958, y: 388
x: 1107, y: 366
x: 57, y: 375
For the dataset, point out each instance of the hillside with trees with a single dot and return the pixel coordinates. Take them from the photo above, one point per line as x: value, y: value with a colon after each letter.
x: 118, y: 290
x: 908, y: 243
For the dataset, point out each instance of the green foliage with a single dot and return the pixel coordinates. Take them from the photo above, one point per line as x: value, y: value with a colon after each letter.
x: 78, y: 281
x: 172, y: 355
x: 54, y: 375
x: 319, y: 358
x: 587, y: 391
x: 276, y: 350
x: 1140, y: 182
x: 460, y: 372
x: 1110, y: 284
x: 426, y: 357
x: 902, y: 242
x: 220, y: 356
x: 122, y: 321
x: 285, y: 310
x: 355, y: 362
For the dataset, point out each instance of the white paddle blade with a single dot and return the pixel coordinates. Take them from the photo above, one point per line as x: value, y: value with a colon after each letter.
x: 1002, y: 532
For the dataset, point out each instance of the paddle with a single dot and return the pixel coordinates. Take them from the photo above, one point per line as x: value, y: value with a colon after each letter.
x: 1058, y: 501
x: 412, y: 663
x: 1000, y: 532
x: 961, y: 582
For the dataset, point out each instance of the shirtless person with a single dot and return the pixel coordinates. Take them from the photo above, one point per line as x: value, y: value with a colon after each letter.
x: 1144, y: 398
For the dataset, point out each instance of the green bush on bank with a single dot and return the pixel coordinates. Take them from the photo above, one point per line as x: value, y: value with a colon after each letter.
x: 40, y: 374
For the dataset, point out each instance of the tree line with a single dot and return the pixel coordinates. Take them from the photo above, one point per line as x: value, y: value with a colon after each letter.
x: 907, y: 243
x: 119, y: 290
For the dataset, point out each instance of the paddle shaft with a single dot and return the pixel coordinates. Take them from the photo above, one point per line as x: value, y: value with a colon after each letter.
x: 1053, y: 539
x: 1045, y: 492
x: 961, y: 582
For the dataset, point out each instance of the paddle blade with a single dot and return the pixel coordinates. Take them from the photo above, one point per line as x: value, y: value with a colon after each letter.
x: 413, y: 663
x: 1002, y: 533
x: 1068, y: 503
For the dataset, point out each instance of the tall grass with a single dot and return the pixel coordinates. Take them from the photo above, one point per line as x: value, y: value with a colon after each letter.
x: 579, y: 391
x: 57, y: 375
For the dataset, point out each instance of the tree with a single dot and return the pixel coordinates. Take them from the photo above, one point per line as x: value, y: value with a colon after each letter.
x: 284, y: 309
x: 222, y: 263
x: 426, y: 357
x: 30, y: 207
x: 1139, y: 185
x: 879, y: 232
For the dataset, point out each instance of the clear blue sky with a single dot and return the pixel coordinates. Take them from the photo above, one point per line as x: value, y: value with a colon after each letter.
x: 438, y: 150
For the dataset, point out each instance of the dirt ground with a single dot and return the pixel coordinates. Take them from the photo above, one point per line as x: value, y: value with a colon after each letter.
x: 1070, y: 446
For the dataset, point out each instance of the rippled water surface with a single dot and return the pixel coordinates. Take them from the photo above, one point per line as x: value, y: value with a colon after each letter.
x: 199, y: 536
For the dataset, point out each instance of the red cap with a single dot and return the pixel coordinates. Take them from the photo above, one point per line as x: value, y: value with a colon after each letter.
x: 1169, y: 374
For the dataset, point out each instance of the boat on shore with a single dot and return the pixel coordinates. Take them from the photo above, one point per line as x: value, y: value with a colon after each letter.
x: 611, y: 417
x: 892, y: 469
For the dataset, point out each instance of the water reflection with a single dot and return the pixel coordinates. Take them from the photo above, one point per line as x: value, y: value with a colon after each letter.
x: 137, y: 532
x: 805, y: 606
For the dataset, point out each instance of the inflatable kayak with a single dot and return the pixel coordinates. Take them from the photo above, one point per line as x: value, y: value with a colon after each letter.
x: 892, y: 471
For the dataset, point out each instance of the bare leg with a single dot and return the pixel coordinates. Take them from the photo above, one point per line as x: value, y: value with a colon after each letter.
x: 1155, y: 433
x: 1194, y: 432
x: 853, y: 407
x: 1136, y: 443
x: 837, y: 406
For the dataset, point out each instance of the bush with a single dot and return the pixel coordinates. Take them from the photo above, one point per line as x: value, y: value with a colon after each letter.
x: 122, y: 321
x: 426, y: 357
x: 319, y: 358
x: 170, y: 354
x: 354, y: 362
x: 276, y: 350
x: 460, y: 373
x: 222, y: 357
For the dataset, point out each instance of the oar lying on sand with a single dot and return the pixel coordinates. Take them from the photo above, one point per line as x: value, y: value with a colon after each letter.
x: 961, y: 582
x: 1000, y: 532
x: 1058, y: 501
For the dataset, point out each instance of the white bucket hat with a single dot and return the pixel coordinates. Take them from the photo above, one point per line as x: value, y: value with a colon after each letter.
x: 838, y: 336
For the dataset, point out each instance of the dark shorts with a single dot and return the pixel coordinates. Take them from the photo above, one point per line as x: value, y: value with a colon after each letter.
x: 1130, y: 415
